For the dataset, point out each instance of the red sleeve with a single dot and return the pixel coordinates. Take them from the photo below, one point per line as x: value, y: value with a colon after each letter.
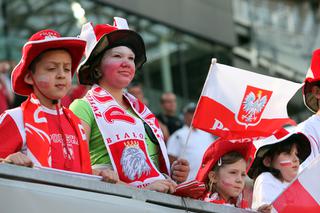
x: 10, y: 137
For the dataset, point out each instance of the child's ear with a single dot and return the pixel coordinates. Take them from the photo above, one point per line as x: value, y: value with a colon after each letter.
x: 213, y: 177
x: 315, y: 90
x: 28, y: 78
x: 267, y: 161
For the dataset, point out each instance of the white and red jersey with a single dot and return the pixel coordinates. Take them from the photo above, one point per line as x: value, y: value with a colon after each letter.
x: 13, y: 138
x: 311, y: 128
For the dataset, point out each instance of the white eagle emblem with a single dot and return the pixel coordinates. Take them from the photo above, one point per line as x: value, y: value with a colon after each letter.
x: 133, y: 161
x: 252, y: 106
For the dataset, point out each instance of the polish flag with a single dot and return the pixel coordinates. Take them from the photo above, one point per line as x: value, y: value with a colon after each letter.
x: 303, y: 194
x: 239, y: 104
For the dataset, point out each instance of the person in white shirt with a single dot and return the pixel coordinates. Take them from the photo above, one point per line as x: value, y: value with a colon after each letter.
x: 192, y: 150
x: 311, y: 97
x: 276, y: 164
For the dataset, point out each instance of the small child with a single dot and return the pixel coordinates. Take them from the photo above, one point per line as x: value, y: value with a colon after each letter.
x: 224, y: 171
x: 276, y: 164
x: 41, y: 132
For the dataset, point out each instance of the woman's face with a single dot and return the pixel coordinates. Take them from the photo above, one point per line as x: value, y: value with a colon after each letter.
x: 117, y: 67
x: 229, y: 180
x: 287, y: 163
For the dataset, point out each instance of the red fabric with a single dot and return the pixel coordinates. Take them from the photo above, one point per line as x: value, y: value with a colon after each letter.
x: 314, y: 71
x: 193, y: 189
x: 44, y: 139
x: 219, y: 148
x: 221, y: 122
x: 38, y: 43
x: 296, y: 199
x: 3, y: 99
x: 76, y: 93
x: 12, y: 144
x: 239, y: 204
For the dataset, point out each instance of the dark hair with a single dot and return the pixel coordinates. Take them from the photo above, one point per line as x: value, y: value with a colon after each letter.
x: 226, y: 159
x: 95, y: 72
x: 275, y: 150
x: 32, y: 66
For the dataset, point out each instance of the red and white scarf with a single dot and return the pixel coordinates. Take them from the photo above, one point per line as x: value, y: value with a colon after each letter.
x: 215, y: 198
x: 37, y: 135
x: 124, y: 137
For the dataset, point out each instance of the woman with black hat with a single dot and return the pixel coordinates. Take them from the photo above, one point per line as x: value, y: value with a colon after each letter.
x: 123, y: 133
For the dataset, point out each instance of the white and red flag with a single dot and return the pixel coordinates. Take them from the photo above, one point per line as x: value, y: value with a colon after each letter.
x: 303, y: 194
x: 239, y: 104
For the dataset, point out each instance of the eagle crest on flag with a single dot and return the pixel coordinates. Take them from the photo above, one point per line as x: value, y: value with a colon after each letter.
x: 252, y: 106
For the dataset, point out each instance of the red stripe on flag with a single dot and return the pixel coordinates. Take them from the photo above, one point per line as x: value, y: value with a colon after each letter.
x: 296, y: 199
x: 213, y: 117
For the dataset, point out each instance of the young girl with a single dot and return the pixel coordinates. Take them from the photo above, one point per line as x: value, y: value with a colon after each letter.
x: 224, y: 171
x: 123, y: 133
x: 276, y: 164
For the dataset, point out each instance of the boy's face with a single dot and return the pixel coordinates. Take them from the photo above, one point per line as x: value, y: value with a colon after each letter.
x: 229, y: 180
x: 287, y: 163
x: 52, y: 75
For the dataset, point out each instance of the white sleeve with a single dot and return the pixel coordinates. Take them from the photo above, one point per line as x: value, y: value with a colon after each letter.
x: 265, y: 190
x: 174, y: 144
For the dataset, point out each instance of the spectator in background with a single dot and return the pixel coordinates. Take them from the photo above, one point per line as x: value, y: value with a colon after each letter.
x: 76, y: 91
x: 193, y: 150
x: 6, y: 95
x: 136, y: 90
x: 168, y: 116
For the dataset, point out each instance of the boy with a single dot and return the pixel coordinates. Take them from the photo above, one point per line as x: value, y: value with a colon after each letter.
x: 41, y: 132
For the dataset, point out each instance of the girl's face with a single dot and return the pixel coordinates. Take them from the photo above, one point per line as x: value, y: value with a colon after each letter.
x: 117, y: 67
x: 287, y: 163
x: 229, y: 180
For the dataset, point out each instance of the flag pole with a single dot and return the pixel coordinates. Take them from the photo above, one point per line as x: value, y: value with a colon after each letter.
x: 213, y: 61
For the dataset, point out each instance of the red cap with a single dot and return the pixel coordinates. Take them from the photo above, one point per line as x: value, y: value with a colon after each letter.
x: 313, y: 75
x: 219, y: 148
x: 104, y: 36
x: 38, y: 43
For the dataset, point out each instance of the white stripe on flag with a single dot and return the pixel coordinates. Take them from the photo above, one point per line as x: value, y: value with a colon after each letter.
x: 232, y: 83
x: 309, y: 179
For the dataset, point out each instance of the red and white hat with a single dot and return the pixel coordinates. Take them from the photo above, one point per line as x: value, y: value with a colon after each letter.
x: 281, y: 136
x: 312, y: 77
x: 218, y: 149
x: 38, y: 43
x: 105, y: 36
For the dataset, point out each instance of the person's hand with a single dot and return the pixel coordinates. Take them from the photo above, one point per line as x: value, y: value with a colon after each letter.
x: 265, y: 208
x: 165, y: 186
x: 19, y: 159
x: 180, y: 170
x: 108, y: 175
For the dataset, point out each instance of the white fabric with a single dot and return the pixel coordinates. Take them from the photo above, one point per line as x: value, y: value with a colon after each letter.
x: 266, y: 189
x: 309, y: 179
x: 119, y: 129
x: 311, y: 128
x: 232, y: 84
x: 196, y: 147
